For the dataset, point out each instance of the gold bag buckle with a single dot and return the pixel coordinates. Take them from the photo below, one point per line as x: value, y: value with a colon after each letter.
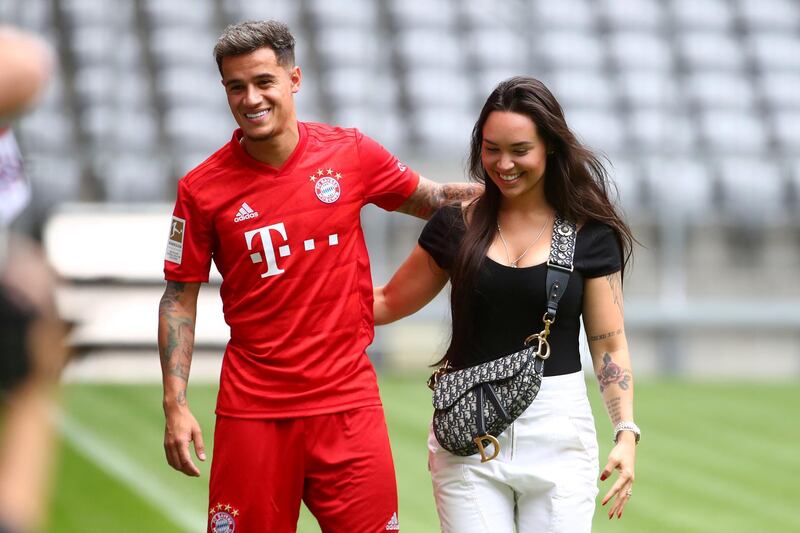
x: 482, y: 448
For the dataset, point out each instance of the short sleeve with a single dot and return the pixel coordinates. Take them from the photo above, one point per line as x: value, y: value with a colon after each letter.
x: 189, y: 245
x: 387, y: 182
x: 442, y: 235
x: 601, y: 254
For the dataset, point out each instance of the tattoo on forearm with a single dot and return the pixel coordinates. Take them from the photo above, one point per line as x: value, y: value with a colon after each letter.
x: 176, y: 351
x: 615, y: 282
x: 607, y: 335
x: 458, y: 192
x: 611, y: 373
x: 431, y: 196
x: 180, y: 399
x: 614, y: 410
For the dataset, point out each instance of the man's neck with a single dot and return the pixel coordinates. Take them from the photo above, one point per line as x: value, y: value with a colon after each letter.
x: 275, y: 150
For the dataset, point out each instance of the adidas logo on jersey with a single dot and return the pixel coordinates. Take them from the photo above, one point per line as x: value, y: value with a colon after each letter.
x: 394, y: 524
x: 245, y: 213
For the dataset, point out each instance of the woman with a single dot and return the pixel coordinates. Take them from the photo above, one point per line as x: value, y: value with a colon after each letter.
x: 494, y: 250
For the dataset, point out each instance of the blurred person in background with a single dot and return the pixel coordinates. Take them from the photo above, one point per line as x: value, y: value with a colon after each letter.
x: 494, y: 250
x: 277, y: 209
x: 31, y: 334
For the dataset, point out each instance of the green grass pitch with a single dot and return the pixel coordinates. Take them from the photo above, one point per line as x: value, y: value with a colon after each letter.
x: 713, y: 457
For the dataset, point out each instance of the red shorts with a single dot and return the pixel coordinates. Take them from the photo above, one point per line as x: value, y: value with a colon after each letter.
x: 339, y: 464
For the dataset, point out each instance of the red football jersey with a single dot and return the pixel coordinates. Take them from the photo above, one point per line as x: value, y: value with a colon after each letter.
x: 297, y: 289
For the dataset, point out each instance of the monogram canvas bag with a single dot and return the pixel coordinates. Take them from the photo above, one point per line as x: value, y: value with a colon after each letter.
x: 474, y: 405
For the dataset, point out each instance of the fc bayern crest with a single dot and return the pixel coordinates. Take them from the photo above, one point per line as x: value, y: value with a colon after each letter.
x: 222, y: 522
x: 223, y: 518
x: 326, y: 185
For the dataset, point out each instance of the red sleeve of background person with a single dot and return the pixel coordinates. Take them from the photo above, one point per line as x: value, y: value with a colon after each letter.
x: 387, y: 181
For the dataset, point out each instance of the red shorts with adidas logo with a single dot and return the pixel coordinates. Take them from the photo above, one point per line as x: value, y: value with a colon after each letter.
x: 339, y: 464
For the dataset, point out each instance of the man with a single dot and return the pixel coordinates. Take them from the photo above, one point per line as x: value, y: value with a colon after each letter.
x: 277, y: 209
x: 31, y: 334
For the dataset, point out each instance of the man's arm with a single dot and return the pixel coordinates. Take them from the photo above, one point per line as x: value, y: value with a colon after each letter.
x: 176, y: 317
x: 430, y: 196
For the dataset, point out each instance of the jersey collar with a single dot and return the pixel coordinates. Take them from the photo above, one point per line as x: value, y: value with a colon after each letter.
x: 264, y: 168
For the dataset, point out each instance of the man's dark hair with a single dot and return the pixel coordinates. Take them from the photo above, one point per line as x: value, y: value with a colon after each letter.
x: 247, y: 37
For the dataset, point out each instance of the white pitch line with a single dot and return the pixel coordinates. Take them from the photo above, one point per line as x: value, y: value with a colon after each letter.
x: 134, y: 477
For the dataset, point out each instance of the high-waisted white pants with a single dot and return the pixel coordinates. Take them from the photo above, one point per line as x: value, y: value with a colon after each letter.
x: 544, y: 479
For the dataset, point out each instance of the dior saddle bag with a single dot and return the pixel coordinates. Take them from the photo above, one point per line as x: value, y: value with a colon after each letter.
x: 474, y: 405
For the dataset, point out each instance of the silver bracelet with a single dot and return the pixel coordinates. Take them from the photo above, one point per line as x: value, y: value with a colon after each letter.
x: 627, y: 425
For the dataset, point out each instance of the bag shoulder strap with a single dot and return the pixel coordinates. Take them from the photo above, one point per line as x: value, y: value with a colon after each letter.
x: 559, y: 265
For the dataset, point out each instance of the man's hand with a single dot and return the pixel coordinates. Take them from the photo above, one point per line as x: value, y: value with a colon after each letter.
x: 181, y: 429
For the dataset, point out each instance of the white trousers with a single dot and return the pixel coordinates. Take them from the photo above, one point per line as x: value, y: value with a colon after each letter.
x: 544, y: 479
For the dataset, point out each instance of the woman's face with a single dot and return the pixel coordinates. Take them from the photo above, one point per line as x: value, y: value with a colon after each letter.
x: 513, y: 154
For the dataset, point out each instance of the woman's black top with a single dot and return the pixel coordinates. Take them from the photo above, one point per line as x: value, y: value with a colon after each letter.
x: 508, y: 303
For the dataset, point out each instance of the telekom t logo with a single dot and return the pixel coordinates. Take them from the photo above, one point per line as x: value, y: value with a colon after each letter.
x: 283, y: 250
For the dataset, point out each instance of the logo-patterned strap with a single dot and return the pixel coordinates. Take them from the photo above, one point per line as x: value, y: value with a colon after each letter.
x: 562, y: 247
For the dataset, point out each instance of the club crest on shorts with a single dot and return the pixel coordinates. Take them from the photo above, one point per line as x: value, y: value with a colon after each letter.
x: 326, y: 185
x: 223, y: 518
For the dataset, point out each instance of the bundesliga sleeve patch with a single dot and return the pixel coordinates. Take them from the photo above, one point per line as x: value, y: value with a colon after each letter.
x: 175, y: 241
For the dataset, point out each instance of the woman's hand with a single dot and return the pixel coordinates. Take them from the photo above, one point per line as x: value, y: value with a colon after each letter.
x: 623, y: 459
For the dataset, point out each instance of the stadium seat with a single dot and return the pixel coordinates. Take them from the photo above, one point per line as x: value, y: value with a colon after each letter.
x: 626, y: 179
x: 179, y: 85
x: 633, y: 14
x: 600, y: 130
x: 648, y: 88
x: 710, y: 50
x: 787, y: 130
x: 443, y: 130
x: 733, y: 132
x: 582, y: 88
x: 381, y: 123
x: 354, y: 85
x: 182, y: 46
x: 776, y: 50
x: 781, y: 15
x: 285, y: 11
x: 430, y: 48
x: 175, y: 13
x: 432, y: 86
x: 702, y: 14
x: 351, y: 47
x: 578, y: 15
x: 780, y: 89
x: 487, y: 14
x: 134, y: 177
x: 662, y: 131
x: 564, y: 49
x: 497, y: 47
x: 195, y: 130
x: 680, y: 186
x: 413, y: 14
x: 752, y: 187
x: 720, y: 89
x: 344, y: 13
x: 640, y: 50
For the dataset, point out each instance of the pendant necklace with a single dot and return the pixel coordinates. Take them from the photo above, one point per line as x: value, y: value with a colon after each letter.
x: 514, y: 263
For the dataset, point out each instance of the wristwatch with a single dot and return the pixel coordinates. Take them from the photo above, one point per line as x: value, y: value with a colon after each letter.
x: 627, y: 426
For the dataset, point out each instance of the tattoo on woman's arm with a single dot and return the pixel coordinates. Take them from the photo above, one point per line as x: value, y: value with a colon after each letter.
x: 611, y: 373
x: 615, y: 282
x: 606, y: 335
x: 614, y: 411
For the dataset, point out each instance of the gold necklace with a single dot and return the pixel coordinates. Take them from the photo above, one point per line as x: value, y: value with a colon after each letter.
x: 514, y: 263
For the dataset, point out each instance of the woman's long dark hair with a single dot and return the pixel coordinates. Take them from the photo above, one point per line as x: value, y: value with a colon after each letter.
x: 576, y: 185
